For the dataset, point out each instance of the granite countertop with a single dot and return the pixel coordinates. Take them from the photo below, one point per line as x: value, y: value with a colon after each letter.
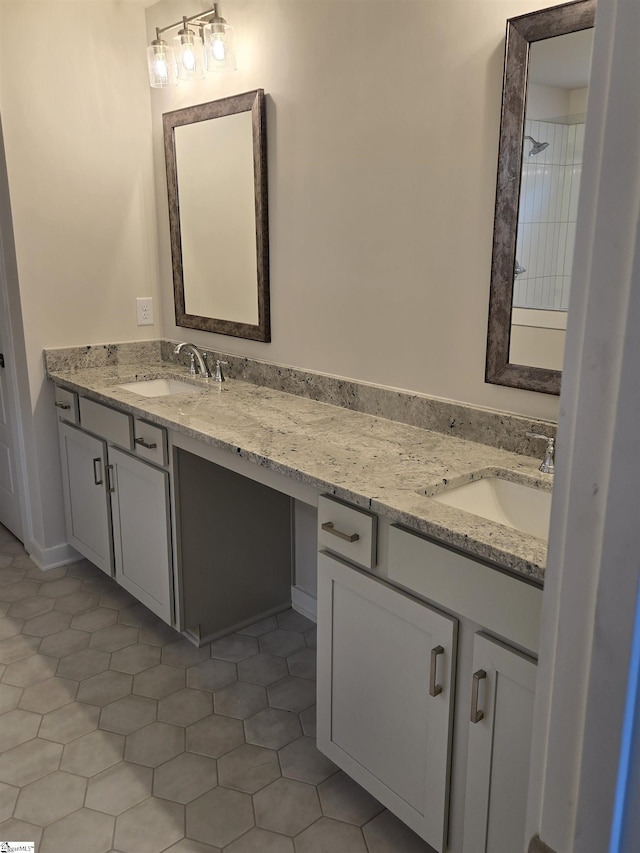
x: 370, y: 461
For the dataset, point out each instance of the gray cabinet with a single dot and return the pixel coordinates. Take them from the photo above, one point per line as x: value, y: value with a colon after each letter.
x: 501, y: 721
x: 499, y: 618
x: 459, y: 784
x: 86, y: 499
x: 141, y: 531
x: 117, y: 507
x: 385, y: 693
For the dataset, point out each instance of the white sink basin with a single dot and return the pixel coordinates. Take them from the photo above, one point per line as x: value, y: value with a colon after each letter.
x: 515, y: 505
x: 158, y: 387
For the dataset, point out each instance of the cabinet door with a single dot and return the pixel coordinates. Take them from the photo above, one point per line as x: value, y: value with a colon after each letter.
x: 385, y: 693
x: 141, y: 531
x: 86, y: 500
x: 499, y: 748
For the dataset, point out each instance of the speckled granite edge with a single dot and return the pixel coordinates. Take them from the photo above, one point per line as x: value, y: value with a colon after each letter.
x: 101, y: 355
x: 496, y: 429
x: 490, y: 471
x: 390, y: 467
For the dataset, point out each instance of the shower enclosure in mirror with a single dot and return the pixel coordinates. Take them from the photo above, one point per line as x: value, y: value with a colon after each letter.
x: 544, y: 102
x: 216, y: 163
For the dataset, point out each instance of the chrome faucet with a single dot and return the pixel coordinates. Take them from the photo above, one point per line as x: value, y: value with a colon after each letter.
x: 198, y: 359
x: 548, y: 465
x: 218, y: 375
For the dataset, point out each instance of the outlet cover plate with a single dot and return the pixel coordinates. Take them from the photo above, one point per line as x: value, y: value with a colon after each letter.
x: 144, y: 310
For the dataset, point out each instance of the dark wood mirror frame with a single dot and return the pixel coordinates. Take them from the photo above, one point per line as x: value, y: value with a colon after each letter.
x: 521, y: 33
x: 248, y: 102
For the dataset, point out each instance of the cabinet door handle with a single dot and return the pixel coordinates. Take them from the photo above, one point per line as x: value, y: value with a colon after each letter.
x: 109, y: 473
x: 476, y: 715
x: 97, y: 476
x: 62, y: 405
x: 347, y: 537
x: 143, y: 443
x: 435, y: 689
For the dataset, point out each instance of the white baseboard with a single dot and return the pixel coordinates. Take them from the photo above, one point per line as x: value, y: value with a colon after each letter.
x: 303, y: 602
x: 51, y: 558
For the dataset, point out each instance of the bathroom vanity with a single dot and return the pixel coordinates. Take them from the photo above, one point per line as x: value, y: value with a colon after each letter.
x: 428, y: 616
x: 426, y: 678
x: 116, y: 503
x: 206, y: 549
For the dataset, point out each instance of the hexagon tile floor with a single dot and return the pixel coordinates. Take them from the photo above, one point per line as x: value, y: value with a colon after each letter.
x: 119, y: 736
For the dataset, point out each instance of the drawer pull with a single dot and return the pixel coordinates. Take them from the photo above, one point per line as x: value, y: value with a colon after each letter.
x: 61, y: 405
x: 97, y: 476
x: 476, y: 715
x: 434, y: 688
x: 143, y: 443
x: 109, y: 472
x: 347, y: 537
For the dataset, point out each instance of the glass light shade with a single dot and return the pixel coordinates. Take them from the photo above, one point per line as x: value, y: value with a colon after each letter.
x: 161, y: 60
x: 218, y: 46
x: 189, y: 55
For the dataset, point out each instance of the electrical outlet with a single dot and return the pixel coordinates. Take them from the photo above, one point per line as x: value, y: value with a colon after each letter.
x: 144, y: 310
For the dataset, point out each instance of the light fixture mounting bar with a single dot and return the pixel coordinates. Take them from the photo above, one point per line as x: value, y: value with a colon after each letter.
x: 201, y: 18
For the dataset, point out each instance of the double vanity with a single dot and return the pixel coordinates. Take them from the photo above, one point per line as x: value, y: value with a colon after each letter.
x: 428, y: 596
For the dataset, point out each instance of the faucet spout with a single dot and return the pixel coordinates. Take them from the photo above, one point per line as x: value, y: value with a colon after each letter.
x: 198, y: 359
x: 548, y: 463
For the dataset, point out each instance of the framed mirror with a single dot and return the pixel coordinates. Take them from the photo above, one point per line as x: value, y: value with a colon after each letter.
x: 544, y: 96
x: 216, y: 162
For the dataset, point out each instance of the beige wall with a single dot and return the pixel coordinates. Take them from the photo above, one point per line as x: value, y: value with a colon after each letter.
x: 76, y: 119
x: 538, y: 337
x: 578, y: 100
x: 382, y: 172
x: 76, y: 127
x: 545, y: 102
x: 382, y: 178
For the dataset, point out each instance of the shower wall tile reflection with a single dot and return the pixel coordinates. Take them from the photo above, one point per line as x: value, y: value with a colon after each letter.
x: 548, y: 212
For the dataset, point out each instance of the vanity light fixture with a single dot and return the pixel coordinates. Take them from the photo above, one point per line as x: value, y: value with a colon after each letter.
x: 218, y: 44
x: 189, y: 53
x: 161, y: 60
x: 206, y: 44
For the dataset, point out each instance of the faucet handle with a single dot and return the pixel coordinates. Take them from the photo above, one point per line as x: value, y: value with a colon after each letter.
x: 192, y: 364
x: 218, y: 375
x: 547, y: 438
x: 548, y: 464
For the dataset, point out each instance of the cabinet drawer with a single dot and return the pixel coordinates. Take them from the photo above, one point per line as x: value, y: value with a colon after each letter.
x: 107, y: 423
x: 67, y: 404
x: 347, y: 530
x: 150, y: 441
